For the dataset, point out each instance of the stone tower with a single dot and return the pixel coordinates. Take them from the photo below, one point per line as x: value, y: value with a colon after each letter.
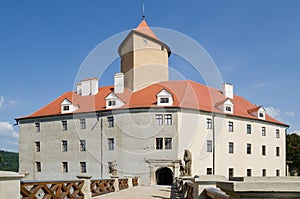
x: 144, y: 58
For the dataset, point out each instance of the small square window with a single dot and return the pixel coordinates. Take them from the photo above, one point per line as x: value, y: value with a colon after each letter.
x: 228, y: 108
x: 164, y: 100
x: 249, y: 129
x: 159, y: 119
x: 37, y: 127
x: 65, y: 168
x: 168, y: 119
x: 209, y: 146
x: 263, y: 149
x: 82, y: 145
x: 110, y: 121
x: 230, y: 126
x: 83, y: 167
x: 263, y: 131
x: 82, y: 124
x: 64, y: 145
x: 208, y: 171
x: 66, y: 108
x: 111, y: 103
x: 38, y: 166
x: 248, y: 148
x: 168, y: 143
x: 230, y: 147
x: 159, y: 143
x: 208, y: 123
x: 249, y: 172
x: 261, y: 115
x: 64, y: 125
x: 111, y: 144
x: 277, y: 133
x: 37, y: 146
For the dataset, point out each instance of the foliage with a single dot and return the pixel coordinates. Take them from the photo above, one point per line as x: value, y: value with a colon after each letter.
x: 293, y: 151
x: 9, y: 161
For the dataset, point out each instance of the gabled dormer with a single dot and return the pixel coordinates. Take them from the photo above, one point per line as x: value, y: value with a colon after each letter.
x: 226, y: 106
x: 67, y: 106
x: 258, y: 112
x: 164, y: 98
x: 113, y: 101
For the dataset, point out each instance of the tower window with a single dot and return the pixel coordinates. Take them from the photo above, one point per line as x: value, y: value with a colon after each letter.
x: 263, y: 131
x: 111, y: 144
x: 230, y: 172
x: 277, y: 133
x: 209, y: 146
x: 64, y: 145
x: 208, y: 123
x: 263, y: 148
x: 248, y: 128
x: 230, y: 147
x: 83, y: 167
x: 37, y: 127
x: 82, y: 124
x: 65, y: 168
x: 277, y: 151
x: 37, y: 146
x: 38, y: 166
x: 64, y: 125
x: 110, y: 121
x: 264, y: 172
x: 230, y: 126
x: 82, y: 145
x: 248, y: 148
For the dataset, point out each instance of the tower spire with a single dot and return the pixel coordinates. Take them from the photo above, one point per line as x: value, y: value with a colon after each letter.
x: 143, y: 12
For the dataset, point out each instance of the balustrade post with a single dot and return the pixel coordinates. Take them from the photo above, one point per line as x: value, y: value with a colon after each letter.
x: 130, y: 185
x: 116, y: 184
x: 86, y: 189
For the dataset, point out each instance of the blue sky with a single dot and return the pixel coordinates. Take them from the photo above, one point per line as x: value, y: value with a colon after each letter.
x: 255, y: 45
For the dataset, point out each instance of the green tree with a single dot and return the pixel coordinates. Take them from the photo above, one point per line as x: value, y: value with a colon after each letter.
x: 293, y: 152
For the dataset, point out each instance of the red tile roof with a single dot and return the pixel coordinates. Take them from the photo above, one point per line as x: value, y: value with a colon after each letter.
x: 145, y: 29
x: 186, y: 94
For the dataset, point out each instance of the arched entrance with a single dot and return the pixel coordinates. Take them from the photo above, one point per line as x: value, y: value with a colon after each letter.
x: 164, y: 176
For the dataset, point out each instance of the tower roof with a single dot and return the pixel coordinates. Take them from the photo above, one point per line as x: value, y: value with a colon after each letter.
x: 145, y: 29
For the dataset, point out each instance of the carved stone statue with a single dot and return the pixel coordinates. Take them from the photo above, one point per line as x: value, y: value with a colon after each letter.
x: 114, y: 171
x: 181, y: 168
x: 188, y: 162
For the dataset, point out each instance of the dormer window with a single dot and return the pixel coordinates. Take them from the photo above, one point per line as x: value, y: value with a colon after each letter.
x: 164, y: 98
x: 226, y: 106
x: 113, y: 101
x: 258, y: 112
x: 261, y: 115
x: 67, y: 106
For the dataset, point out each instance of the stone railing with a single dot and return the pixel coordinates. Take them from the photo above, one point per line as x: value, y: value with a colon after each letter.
x: 123, y: 183
x: 99, y: 187
x: 58, y: 189
x: 135, y: 182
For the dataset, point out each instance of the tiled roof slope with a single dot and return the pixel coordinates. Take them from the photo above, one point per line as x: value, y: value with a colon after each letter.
x: 146, y: 30
x: 186, y: 94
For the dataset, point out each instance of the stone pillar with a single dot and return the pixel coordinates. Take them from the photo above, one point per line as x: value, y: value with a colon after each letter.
x: 130, y: 182
x: 176, y: 169
x: 116, y: 184
x: 86, y: 189
x: 152, y: 174
x: 10, y: 184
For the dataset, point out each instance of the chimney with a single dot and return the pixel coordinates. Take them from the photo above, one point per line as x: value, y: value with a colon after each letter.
x: 228, y: 90
x: 119, y: 83
x: 87, y: 87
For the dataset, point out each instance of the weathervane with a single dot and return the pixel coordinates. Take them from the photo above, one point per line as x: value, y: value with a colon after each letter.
x: 143, y: 16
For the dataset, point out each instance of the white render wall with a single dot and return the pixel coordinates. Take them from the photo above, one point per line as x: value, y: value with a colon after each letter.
x: 135, y: 132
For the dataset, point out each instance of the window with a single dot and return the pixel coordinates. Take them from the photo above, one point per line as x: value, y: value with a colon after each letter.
x: 209, y: 146
x: 277, y: 151
x: 228, y: 108
x: 249, y: 172
x: 83, y: 167
x: 264, y: 172
x: 208, y: 171
x: 261, y: 114
x: 38, y: 166
x: 208, y: 123
x: 164, y: 100
x: 82, y: 124
x: 230, y: 172
x: 37, y: 146
x: 248, y: 148
x: 263, y: 131
x: 277, y: 133
x: 82, y: 145
x: 111, y: 103
x: 66, y: 108
x: 230, y: 126
x: 111, y: 144
x: 277, y: 172
x: 248, y: 128
x: 65, y: 168
x: 64, y: 125
x: 37, y: 127
x: 64, y: 145
x: 168, y: 119
x: 159, y: 119
x: 230, y: 147
x: 168, y: 143
x: 110, y: 164
x: 110, y: 121
x: 159, y: 143
x: 263, y: 150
